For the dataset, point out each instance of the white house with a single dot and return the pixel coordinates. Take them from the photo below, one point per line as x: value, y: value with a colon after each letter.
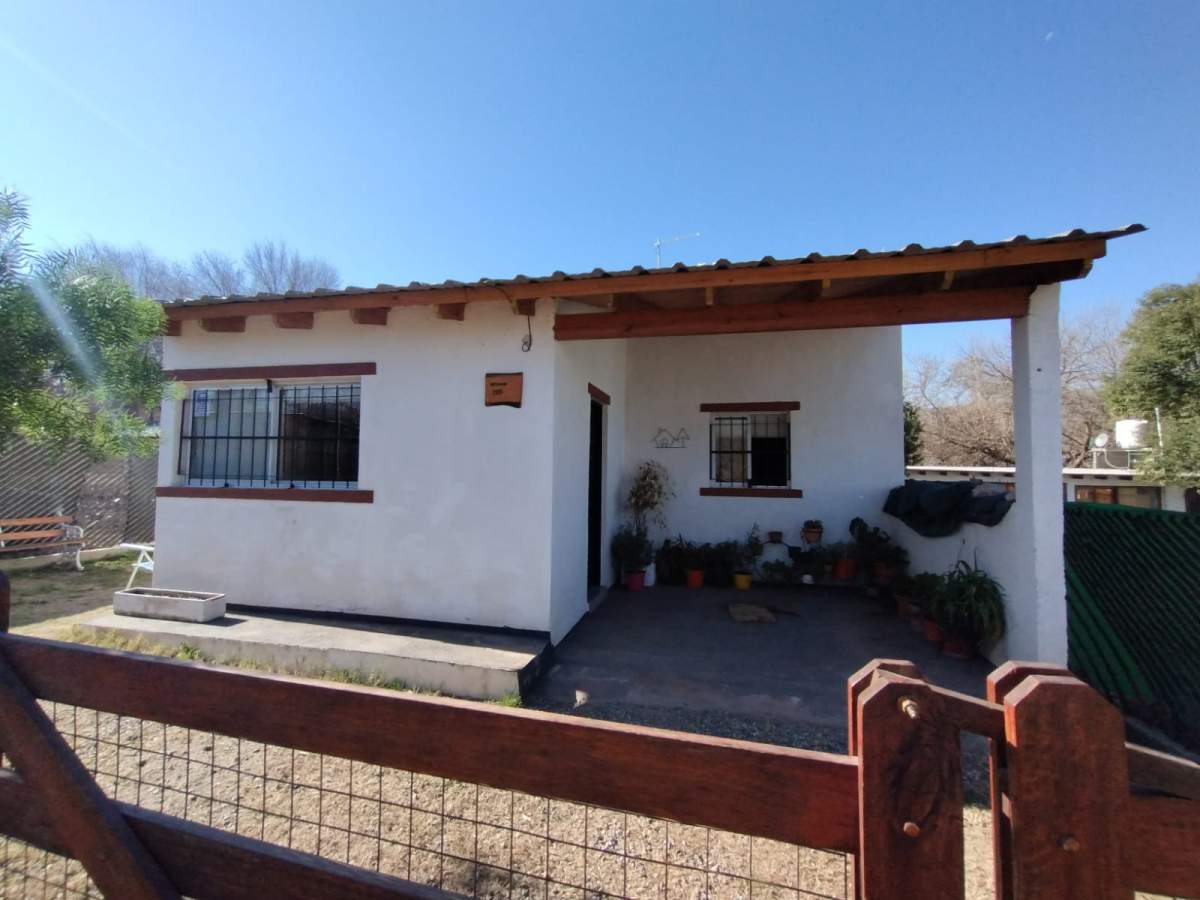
x: 456, y: 452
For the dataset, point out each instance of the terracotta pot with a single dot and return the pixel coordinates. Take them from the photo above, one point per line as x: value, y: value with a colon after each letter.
x: 812, y: 535
x: 904, y: 607
x: 845, y: 569
x: 635, y: 581
x: 741, y: 581
x: 958, y: 648
x: 695, y: 578
x: 775, y: 537
x: 933, y: 633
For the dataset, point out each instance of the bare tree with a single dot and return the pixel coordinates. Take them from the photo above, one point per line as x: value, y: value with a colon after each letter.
x: 273, y: 267
x: 148, y: 274
x: 966, y: 402
x: 216, y: 273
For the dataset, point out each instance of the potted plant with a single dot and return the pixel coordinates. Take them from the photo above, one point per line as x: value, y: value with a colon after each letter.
x: 632, y: 551
x: 748, y: 554
x: 812, y: 531
x: 969, y: 609
x: 923, y: 588
x: 778, y: 572
x: 648, y: 494
x: 887, y: 561
x: 694, y: 558
x: 845, y: 561
x: 671, y: 560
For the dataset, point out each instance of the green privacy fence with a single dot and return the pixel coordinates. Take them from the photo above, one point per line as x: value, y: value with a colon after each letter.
x: 1133, y: 605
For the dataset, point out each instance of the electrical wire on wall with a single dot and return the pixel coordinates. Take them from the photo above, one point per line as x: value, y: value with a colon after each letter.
x: 527, y: 341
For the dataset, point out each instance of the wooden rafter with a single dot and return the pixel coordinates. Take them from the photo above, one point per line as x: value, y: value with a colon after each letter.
x: 369, y: 315
x: 232, y: 324
x: 1026, y: 254
x: 799, y: 315
x: 453, y: 311
x: 293, y: 319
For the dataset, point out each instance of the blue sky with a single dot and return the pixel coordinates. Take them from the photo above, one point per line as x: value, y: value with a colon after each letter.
x: 442, y: 140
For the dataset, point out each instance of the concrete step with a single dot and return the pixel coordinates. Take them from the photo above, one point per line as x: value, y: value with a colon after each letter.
x: 458, y: 662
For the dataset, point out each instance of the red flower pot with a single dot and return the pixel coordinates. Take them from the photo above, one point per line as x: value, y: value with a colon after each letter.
x: 695, y: 578
x: 933, y: 633
x: 845, y: 569
x: 635, y: 581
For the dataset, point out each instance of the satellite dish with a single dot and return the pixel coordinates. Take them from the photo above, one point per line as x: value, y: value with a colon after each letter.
x: 1100, y: 441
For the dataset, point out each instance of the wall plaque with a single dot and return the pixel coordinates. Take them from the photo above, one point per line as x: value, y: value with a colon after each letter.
x: 503, y: 388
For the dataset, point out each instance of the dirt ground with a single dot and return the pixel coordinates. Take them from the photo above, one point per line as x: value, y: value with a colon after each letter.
x: 44, y: 601
x: 465, y: 838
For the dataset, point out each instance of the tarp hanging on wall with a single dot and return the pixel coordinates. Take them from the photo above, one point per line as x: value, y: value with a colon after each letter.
x: 939, y: 508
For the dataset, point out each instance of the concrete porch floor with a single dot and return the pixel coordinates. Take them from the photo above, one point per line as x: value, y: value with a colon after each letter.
x: 460, y: 662
x: 670, y: 647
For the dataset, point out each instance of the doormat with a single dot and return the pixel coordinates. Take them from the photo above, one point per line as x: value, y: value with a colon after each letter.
x: 749, y: 612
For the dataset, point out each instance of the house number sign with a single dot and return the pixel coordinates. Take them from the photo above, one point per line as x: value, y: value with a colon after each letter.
x: 503, y: 388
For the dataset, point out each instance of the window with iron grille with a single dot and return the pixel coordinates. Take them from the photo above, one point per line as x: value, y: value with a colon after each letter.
x: 303, y: 436
x: 751, y: 450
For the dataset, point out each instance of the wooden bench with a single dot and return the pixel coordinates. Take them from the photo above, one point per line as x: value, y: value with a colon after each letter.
x: 33, y: 535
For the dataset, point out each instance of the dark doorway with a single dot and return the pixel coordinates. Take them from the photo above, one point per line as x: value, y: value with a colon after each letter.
x: 595, y: 484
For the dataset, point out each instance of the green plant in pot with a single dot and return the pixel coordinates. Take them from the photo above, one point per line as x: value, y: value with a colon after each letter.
x: 887, y: 561
x: 649, y: 491
x: 969, y: 609
x: 632, y: 552
x: 812, y: 531
x: 747, y: 555
x: 672, y: 559
x: 695, y: 561
x: 923, y: 588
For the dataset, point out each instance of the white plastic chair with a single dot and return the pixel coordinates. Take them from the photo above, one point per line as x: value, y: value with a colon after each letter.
x: 144, y: 562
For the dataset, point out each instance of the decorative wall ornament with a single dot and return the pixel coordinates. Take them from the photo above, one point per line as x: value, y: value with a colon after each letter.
x: 665, y: 440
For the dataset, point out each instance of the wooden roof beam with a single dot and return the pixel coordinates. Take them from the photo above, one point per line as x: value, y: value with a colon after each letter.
x: 453, y: 311
x: 369, y: 315
x: 798, y: 315
x: 883, y: 266
x: 293, y: 320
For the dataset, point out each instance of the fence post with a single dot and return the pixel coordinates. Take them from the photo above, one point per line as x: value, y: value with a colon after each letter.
x: 1068, y: 790
x: 910, y: 796
x: 999, y: 683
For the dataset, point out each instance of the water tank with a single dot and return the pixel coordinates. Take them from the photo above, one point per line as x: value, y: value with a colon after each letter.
x: 1132, y: 434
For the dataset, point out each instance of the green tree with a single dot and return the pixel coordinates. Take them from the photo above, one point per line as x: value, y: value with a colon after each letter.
x: 1161, y: 376
x: 77, y: 366
x: 914, y: 447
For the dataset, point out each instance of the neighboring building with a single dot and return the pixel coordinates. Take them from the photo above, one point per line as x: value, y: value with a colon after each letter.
x: 1112, y: 485
x: 458, y: 452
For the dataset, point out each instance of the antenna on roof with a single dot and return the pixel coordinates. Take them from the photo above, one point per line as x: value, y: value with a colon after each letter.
x: 658, y: 245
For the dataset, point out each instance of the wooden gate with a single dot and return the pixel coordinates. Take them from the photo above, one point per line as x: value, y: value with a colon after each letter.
x: 1077, y: 812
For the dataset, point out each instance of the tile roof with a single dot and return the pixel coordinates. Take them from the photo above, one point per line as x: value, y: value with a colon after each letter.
x: 1077, y: 234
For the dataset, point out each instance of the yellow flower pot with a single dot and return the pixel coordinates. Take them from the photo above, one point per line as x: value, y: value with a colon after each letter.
x: 741, y: 581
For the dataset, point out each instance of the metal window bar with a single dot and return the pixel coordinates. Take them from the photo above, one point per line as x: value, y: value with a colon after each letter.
x: 295, y: 436
x: 740, y: 444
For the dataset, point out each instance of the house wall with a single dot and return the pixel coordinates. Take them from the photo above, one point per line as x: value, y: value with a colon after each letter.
x: 846, y: 438
x: 576, y: 364
x: 459, y: 529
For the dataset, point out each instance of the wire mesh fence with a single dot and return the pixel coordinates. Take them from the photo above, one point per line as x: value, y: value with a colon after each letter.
x: 461, y: 837
x: 113, y: 500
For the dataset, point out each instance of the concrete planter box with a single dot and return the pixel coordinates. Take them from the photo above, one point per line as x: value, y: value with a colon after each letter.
x: 168, y: 603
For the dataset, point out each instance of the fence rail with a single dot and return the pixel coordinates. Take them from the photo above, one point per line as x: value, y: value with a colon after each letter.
x: 1077, y: 811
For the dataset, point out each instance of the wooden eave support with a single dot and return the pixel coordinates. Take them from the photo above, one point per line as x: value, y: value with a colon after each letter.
x: 173, y: 328
x: 798, y: 315
x: 454, y: 311
x: 369, y: 315
x: 883, y: 266
x: 232, y: 324
x: 524, y: 307
x: 293, y: 320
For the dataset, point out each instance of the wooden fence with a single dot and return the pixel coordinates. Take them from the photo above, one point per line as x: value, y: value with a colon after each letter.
x: 1077, y: 812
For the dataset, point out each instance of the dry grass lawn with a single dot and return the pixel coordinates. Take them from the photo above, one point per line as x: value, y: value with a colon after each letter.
x: 45, y: 601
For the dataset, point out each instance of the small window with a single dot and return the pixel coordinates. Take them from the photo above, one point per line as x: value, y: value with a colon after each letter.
x: 1124, y: 495
x: 303, y: 436
x: 752, y: 450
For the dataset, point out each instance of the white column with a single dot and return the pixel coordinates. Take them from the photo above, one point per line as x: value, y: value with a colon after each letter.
x: 1037, y: 603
